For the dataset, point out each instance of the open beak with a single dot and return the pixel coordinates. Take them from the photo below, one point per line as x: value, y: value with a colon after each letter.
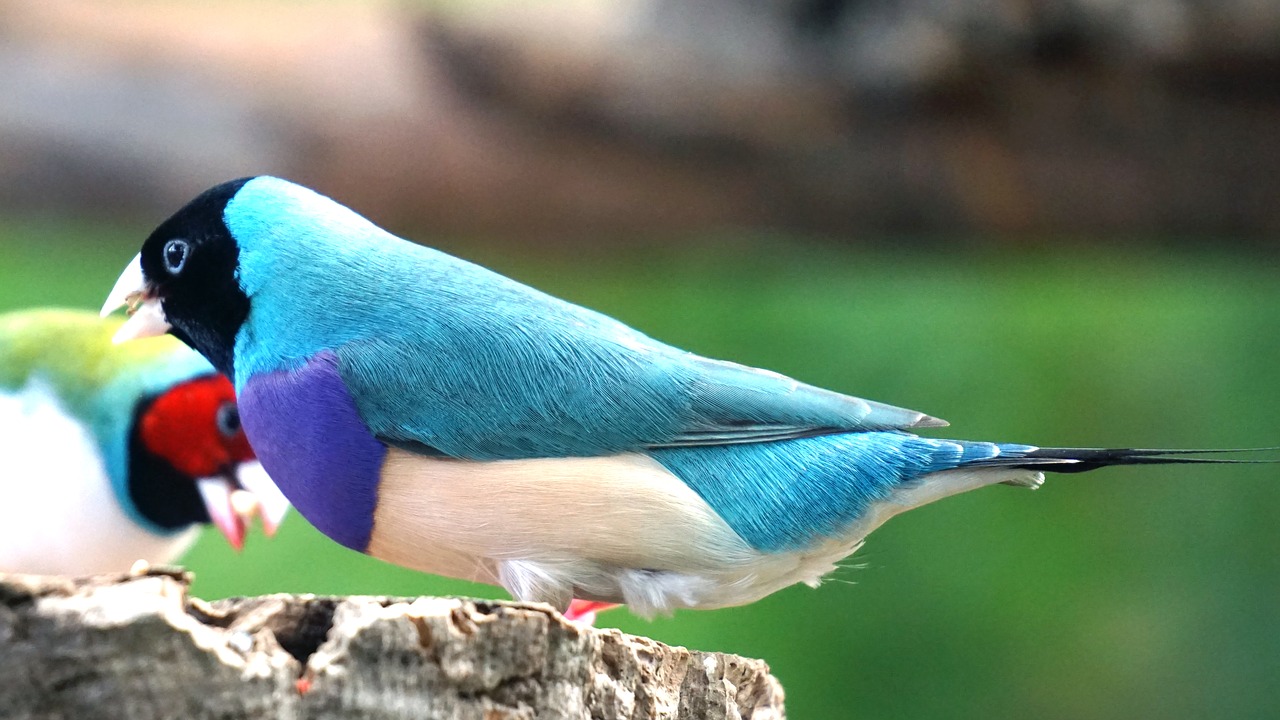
x: 146, y: 316
x: 233, y: 502
x: 218, y: 493
x: 272, y: 504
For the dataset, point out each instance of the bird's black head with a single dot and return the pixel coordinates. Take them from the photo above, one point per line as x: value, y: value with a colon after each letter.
x: 189, y: 263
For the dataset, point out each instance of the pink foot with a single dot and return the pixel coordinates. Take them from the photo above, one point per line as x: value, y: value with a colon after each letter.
x: 584, y: 611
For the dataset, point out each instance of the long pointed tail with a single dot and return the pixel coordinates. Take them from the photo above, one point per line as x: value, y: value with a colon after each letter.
x: 1068, y: 460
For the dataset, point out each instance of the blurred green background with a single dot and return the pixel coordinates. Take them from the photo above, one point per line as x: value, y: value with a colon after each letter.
x: 1128, y: 592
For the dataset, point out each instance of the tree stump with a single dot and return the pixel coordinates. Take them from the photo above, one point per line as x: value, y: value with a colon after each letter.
x: 137, y: 646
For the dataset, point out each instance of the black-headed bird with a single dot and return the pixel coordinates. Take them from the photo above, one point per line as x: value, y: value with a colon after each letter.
x: 435, y: 414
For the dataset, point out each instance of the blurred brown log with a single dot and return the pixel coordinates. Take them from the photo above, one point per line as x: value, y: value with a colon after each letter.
x: 137, y: 646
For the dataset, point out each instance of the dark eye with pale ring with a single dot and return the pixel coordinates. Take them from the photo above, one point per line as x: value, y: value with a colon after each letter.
x: 175, y: 255
x: 228, y: 420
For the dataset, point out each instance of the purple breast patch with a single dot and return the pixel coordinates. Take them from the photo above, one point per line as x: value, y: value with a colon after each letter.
x: 304, y: 427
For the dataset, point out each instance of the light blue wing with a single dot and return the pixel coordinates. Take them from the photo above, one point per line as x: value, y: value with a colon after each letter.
x: 448, y: 357
x: 492, y: 369
x: 740, y: 404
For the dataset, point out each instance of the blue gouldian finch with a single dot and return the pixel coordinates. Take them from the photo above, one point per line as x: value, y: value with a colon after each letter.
x: 111, y: 454
x: 437, y: 415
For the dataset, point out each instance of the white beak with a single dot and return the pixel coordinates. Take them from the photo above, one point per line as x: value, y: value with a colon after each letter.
x: 146, y: 314
x: 272, y: 504
x: 227, y: 510
x: 232, y: 509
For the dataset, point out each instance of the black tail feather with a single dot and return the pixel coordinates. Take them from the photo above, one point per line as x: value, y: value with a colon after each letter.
x: 1069, y: 460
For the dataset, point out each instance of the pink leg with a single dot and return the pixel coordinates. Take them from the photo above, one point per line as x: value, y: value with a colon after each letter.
x: 584, y: 611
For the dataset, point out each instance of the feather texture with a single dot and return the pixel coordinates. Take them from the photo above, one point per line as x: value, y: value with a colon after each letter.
x: 304, y: 427
x: 619, y: 529
x: 70, y: 353
x: 60, y: 513
x: 792, y: 494
x: 441, y: 416
x: 470, y: 364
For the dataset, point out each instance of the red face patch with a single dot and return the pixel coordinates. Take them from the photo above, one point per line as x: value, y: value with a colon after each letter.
x: 196, y: 427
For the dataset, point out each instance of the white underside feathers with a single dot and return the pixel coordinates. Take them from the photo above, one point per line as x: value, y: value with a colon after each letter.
x: 59, y: 513
x: 615, y: 529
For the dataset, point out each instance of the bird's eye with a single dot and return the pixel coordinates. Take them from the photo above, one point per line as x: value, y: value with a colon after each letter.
x: 175, y: 255
x: 228, y: 420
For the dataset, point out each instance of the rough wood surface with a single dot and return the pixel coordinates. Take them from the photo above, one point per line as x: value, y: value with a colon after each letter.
x: 137, y: 646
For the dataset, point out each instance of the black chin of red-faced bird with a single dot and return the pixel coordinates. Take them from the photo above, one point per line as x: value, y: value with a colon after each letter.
x: 160, y: 492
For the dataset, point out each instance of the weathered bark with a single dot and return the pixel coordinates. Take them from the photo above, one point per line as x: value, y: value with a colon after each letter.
x: 137, y: 646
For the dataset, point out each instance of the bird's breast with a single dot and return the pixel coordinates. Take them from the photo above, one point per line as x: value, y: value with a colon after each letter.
x: 305, y: 429
x: 61, y: 513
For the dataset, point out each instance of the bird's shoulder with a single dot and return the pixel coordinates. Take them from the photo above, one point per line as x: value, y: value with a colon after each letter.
x: 441, y: 353
x: 504, y: 390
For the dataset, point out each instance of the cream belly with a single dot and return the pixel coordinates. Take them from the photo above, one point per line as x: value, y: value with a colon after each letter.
x: 618, y: 529
x: 60, y: 514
